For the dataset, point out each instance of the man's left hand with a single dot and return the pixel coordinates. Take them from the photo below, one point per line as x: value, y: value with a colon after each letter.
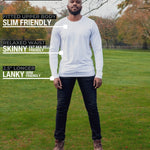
x: 97, y: 82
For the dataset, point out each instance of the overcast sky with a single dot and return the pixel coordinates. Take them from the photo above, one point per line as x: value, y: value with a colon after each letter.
x: 107, y: 10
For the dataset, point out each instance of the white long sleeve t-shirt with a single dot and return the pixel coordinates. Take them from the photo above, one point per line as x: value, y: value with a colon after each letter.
x: 73, y: 39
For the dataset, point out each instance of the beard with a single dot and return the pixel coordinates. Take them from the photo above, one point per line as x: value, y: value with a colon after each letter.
x: 74, y: 12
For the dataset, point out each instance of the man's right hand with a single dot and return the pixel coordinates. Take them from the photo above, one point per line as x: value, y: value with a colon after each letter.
x: 57, y: 83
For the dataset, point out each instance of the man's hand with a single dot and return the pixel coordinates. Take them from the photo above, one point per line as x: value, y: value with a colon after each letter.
x: 97, y: 82
x: 57, y: 83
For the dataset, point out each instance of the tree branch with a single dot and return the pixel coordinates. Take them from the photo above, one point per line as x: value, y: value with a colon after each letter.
x: 96, y: 7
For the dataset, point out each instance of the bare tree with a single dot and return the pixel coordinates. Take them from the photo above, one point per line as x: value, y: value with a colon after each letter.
x: 88, y: 5
x: 92, y: 5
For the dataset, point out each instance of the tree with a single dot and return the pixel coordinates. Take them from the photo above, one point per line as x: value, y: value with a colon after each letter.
x: 144, y: 4
x: 3, y: 4
x: 107, y: 29
x: 88, y: 5
x: 93, y: 5
x: 134, y: 25
x: 22, y: 7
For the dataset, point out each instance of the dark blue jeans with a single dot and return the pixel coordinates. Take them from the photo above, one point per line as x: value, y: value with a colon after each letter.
x: 90, y: 101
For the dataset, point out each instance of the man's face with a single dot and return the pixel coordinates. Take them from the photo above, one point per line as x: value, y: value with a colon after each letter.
x: 74, y: 6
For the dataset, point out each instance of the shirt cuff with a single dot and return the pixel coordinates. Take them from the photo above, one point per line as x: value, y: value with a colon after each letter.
x: 56, y: 76
x: 98, y: 76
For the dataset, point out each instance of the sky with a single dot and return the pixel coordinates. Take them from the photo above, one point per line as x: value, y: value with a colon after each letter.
x: 108, y: 10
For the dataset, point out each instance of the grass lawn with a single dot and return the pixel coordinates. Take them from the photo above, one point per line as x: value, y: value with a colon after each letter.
x: 28, y: 107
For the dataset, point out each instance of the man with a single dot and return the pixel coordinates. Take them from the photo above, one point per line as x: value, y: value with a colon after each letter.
x: 76, y: 64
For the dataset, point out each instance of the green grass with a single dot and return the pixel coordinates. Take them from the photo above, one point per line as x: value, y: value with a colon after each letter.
x: 28, y: 107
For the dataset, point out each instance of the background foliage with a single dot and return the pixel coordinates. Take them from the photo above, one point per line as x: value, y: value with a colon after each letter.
x: 130, y: 29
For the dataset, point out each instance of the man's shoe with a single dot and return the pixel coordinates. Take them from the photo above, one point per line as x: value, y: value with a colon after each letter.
x: 97, y: 145
x: 59, y: 145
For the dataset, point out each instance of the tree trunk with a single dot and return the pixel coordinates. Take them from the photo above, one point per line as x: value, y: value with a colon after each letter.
x: 107, y: 44
x: 145, y: 46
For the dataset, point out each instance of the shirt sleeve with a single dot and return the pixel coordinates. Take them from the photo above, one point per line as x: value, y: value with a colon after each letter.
x: 96, y: 43
x: 53, y: 52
